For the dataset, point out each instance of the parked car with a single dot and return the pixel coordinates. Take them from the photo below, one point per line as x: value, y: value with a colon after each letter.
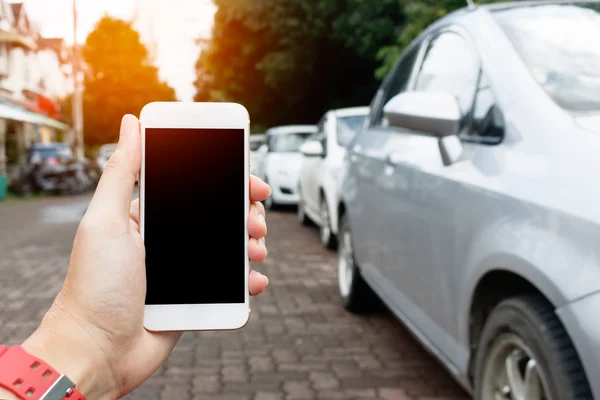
x: 323, y: 154
x: 256, y: 141
x: 104, y: 153
x: 53, y: 153
x: 281, y: 163
x: 470, y: 199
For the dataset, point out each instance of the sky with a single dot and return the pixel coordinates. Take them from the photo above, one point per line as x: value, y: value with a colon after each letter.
x: 172, y: 24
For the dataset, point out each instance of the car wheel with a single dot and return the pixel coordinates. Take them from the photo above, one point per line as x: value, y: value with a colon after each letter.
x: 302, y: 217
x: 269, y: 203
x: 525, y: 353
x: 356, y: 294
x: 327, y: 237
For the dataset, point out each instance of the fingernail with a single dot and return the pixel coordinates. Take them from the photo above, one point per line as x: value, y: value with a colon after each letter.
x: 266, y: 280
x: 261, y: 219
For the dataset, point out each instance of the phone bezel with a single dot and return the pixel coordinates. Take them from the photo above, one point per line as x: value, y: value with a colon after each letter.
x: 197, y: 317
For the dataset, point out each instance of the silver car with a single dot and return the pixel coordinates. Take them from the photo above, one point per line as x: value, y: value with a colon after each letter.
x: 471, y: 199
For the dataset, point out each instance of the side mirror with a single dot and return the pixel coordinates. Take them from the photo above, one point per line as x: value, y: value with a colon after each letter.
x: 312, y: 148
x: 263, y: 148
x: 436, y: 114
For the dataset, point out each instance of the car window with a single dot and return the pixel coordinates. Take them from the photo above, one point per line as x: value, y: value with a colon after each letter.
x: 255, y: 144
x: 554, y: 41
x: 347, y: 128
x: 449, y: 66
x: 287, y: 142
x: 320, y: 135
x: 487, y: 121
x: 396, y: 83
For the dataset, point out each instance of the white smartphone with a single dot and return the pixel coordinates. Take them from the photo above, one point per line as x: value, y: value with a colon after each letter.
x: 194, y: 201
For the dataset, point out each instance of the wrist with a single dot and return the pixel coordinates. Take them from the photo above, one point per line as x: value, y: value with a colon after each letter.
x: 64, y: 348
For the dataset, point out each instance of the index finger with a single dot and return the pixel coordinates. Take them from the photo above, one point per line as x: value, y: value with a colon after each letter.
x: 259, y: 190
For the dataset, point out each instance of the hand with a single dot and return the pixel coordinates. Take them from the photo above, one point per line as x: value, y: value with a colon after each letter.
x: 94, y: 331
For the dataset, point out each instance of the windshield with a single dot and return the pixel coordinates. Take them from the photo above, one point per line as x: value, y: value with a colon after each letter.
x: 47, y: 152
x: 558, y: 43
x: 288, y: 142
x: 256, y: 143
x: 348, y: 127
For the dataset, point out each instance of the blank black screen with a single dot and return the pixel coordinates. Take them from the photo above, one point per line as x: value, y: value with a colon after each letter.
x: 194, y: 228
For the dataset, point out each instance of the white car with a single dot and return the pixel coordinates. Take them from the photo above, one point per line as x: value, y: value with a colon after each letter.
x: 281, y: 164
x: 323, y: 155
x: 104, y: 153
x: 256, y: 155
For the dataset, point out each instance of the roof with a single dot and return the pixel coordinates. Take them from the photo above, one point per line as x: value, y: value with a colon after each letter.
x: 352, y: 111
x: 529, y: 3
x: 289, y: 129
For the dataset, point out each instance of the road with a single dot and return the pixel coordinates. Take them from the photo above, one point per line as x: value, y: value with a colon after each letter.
x: 299, y: 344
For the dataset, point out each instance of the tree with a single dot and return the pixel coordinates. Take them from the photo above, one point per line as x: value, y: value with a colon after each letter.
x: 288, y: 61
x: 418, y: 16
x: 121, y: 79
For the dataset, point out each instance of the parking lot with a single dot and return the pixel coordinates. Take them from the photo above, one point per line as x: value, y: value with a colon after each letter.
x: 299, y: 344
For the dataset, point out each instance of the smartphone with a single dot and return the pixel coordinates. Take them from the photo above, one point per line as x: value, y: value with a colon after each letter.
x: 194, y: 203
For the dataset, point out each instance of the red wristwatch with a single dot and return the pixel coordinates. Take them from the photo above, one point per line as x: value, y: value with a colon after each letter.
x: 29, y: 378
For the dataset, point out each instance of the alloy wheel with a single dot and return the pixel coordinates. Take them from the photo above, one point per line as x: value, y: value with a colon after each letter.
x: 345, y: 264
x: 511, y: 372
x: 325, y: 228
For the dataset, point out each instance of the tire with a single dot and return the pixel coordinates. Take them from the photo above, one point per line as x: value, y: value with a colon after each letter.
x: 356, y: 295
x: 328, y: 239
x: 269, y: 203
x: 526, y: 330
x: 302, y: 217
x: 24, y: 188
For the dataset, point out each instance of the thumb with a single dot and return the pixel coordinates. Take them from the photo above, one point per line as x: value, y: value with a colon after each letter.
x: 113, y: 194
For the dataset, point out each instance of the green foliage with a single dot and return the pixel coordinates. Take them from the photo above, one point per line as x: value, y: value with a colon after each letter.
x: 121, y: 80
x: 288, y: 61
x: 418, y: 16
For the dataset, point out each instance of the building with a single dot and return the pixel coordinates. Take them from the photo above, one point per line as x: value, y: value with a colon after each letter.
x: 33, y: 76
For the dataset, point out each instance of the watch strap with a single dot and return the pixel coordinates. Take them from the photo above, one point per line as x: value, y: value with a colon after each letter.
x: 30, y: 378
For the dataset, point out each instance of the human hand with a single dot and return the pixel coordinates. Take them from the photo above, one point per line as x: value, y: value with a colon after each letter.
x: 94, y: 330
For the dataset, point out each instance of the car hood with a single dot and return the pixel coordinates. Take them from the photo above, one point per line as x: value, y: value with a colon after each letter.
x: 285, y: 161
x: 589, y: 122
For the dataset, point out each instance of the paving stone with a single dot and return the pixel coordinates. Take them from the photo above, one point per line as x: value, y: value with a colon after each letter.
x: 299, y: 344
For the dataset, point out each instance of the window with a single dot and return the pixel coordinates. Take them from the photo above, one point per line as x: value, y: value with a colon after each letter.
x: 321, y: 135
x: 287, y: 142
x: 449, y: 67
x: 348, y: 127
x: 255, y: 143
x: 556, y: 43
x: 487, y: 121
x: 397, y: 82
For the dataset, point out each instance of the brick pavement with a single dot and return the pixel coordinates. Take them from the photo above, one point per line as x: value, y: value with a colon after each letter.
x: 299, y: 344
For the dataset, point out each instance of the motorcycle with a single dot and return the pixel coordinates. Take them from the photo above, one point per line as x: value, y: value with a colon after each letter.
x: 44, y: 175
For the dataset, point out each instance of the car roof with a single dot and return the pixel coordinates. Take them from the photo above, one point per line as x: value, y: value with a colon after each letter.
x: 530, y: 3
x: 492, y: 7
x: 49, y: 145
x: 257, y: 137
x: 351, y: 111
x: 287, y: 129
